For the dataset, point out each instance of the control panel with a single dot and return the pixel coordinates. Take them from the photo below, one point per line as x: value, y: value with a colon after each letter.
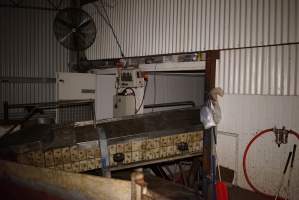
x: 131, y: 78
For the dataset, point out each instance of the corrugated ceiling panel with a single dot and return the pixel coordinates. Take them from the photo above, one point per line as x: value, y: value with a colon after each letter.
x: 147, y: 27
x: 260, y: 71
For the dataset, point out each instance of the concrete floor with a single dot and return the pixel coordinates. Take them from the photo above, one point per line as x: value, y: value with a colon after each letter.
x: 172, y: 191
x: 167, y: 190
x: 237, y: 193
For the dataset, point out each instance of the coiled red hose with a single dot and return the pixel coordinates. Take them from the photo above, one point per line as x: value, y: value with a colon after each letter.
x: 245, y: 157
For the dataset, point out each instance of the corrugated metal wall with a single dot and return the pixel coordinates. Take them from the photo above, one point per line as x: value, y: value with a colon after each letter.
x: 260, y: 71
x: 247, y: 115
x: 29, y: 49
x: 147, y: 27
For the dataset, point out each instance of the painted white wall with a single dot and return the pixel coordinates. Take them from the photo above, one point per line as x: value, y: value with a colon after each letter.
x: 248, y: 114
x: 173, y: 88
x: 169, y: 88
x: 228, y: 155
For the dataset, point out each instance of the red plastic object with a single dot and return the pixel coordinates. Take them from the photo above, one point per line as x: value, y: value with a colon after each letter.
x: 221, y: 191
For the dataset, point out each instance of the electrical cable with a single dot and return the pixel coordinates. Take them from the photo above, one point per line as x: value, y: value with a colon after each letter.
x: 128, y: 88
x: 245, y: 159
x: 59, y: 4
x: 142, y: 97
x: 155, y: 86
x: 107, y: 20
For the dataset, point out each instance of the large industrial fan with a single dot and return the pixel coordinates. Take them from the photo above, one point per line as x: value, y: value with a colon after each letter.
x: 74, y: 29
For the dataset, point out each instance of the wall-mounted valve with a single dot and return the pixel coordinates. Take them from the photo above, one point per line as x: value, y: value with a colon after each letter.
x: 281, y: 135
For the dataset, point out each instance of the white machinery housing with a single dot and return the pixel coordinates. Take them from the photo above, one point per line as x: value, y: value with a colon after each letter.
x: 123, y: 105
x: 130, y: 90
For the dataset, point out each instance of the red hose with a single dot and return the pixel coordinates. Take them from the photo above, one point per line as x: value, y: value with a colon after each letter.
x: 245, y: 157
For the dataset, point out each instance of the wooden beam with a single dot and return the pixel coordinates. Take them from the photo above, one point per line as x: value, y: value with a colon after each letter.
x: 27, y: 181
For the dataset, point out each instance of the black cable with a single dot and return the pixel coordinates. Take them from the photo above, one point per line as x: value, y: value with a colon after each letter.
x: 142, y: 97
x: 107, y: 20
x: 59, y: 4
x: 52, y: 4
x: 99, y: 12
x: 287, y: 163
x: 128, y: 88
x: 110, y: 26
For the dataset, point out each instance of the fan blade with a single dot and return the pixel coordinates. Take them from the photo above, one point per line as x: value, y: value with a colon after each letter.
x: 80, y: 36
x: 66, y: 36
x: 65, y: 23
x: 84, y: 23
x: 74, y: 29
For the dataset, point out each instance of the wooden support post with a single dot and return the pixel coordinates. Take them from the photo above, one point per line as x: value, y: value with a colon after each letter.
x: 136, y: 191
x: 211, y: 57
x: 5, y: 111
x: 139, y: 189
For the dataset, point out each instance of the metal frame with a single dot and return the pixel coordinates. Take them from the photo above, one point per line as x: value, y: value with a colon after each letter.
x: 189, y: 169
x: 19, y: 4
x: 39, y: 107
x: 159, y: 161
x: 46, y: 106
x: 18, y: 79
x: 170, y: 104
